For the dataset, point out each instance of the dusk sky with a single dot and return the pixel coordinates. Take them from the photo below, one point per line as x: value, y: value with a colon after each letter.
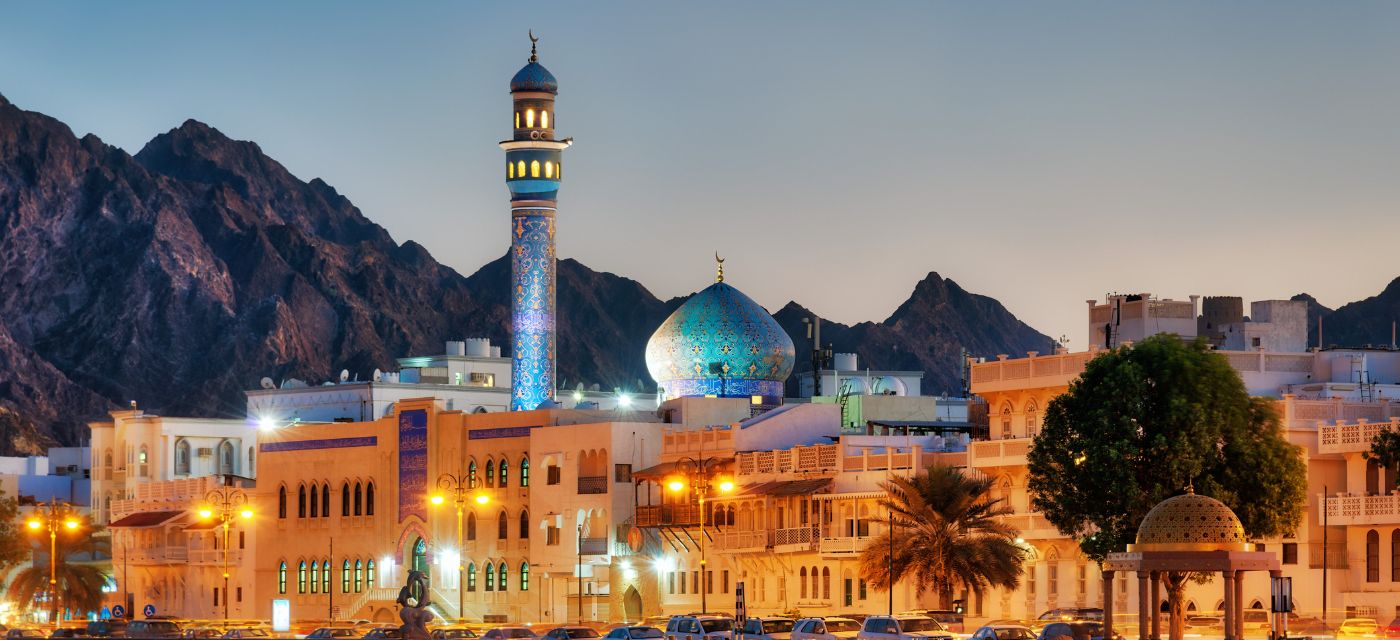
x: 1039, y: 153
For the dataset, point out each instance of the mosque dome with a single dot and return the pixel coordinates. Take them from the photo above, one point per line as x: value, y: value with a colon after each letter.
x: 720, y: 343
x: 534, y: 77
x: 1191, y: 522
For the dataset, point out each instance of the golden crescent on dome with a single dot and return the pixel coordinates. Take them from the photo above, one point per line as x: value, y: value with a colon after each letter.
x: 719, y: 268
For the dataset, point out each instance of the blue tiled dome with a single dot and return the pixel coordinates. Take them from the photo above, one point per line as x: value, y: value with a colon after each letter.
x: 721, y: 328
x: 534, y: 77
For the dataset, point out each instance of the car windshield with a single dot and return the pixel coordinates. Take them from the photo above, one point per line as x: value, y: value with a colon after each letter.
x: 777, y: 626
x: 1014, y: 633
x: 580, y: 632
x: 837, y: 626
x: 920, y: 624
x: 458, y: 633
x: 719, y: 624
x: 517, y: 633
x: 161, y: 626
x: 645, y: 632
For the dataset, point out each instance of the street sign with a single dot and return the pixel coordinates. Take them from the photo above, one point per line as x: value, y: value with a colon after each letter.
x: 149, y: 611
x: 118, y: 611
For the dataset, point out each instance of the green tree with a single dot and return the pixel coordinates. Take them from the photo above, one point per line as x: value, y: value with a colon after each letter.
x: 1144, y: 422
x: 79, y: 581
x: 14, y: 545
x: 1385, y: 451
x: 947, y: 534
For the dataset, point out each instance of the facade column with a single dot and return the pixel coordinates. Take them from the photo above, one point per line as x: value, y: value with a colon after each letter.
x: 1239, y: 605
x: 1108, y: 603
x: 1229, y: 621
x: 1143, y: 591
x: 1156, y: 605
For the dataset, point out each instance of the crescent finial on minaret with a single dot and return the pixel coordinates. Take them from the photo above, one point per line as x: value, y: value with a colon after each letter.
x: 534, y: 57
x: 719, y: 268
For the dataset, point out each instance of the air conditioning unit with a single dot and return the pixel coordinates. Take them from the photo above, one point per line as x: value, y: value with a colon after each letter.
x: 204, y: 452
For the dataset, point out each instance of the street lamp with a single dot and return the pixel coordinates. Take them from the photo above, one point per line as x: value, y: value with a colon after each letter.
x: 54, y: 516
x: 458, y: 486
x: 225, y: 504
x: 699, y: 478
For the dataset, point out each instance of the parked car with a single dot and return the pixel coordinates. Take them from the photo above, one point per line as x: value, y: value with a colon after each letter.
x: 1075, y: 631
x: 830, y: 628
x: 69, y: 630
x: 507, y: 633
x: 1391, y: 630
x: 571, y: 633
x: 950, y: 619
x: 113, y: 628
x: 384, y: 633
x: 202, y: 633
x: 700, y: 627
x: 25, y: 632
x: 153, y: 628
x: 1354, y: 627
x: 345, y: 633
x: 635, y: 633
x: 1204, y: 624
x: 1003, y: 632
x: 902, y: 627
x: 241, y: 633
x: 453, y: 632
x: 1073, y: 614
x: 772, y: 628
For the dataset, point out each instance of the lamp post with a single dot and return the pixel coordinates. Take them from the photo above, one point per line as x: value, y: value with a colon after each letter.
x: 697, y: 477
x: 457, y: 487
x: 225, y: 503
x: 53, y: 516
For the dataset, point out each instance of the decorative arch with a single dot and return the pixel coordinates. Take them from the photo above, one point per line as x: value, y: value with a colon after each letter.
x: 359, y: 498
x: 345, y: 499
x: 182, y: 457
x: 369, y: 498
x: 525, y: 471
x: 226, y: 458
x: 471, y: 525
x: 502, y: 525
x: 1373, y: 556
x: 490, y: 473
x: 471, y: 473
x: 524, y: 524
x: 504, y: 475
x: 282, y: 502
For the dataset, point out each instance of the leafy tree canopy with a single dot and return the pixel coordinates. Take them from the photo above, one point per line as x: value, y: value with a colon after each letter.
x: 1385, y: 450
x: 1144, y: 422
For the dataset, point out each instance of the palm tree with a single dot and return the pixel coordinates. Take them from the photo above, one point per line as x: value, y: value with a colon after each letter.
x: 79, y: 585
x: 946, y: 535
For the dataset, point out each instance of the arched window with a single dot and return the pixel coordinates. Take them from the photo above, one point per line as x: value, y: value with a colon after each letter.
x: 326, y: 500
x: 282, y: 577
x: 826, y: 583
x: 501, y: 576
x: 471, y: 526
x: 520, y: 168
x: 534, y: 168
x: 548, y: 169
x: 301, y: 577
x: 325, y: 576
x: 1395, y: 555
x: 369, y: 498
x: 345, y: 576
x: 814, y: 582
x: 544, y: 118
x: 471, y: 472
x: 359, y: 575
x: 141, y: 459
x: 517, y: 119
x: 525, y: 524
x: 314, y: 503
x: 471, y: 577
x: 524, y: 576
x: 301, y: 501
x: 282, y: 502
x: 490, y: 473
x: 802, y: 582
x: 226, y: 458
x: 559, y: 171
x: 525, y: 471
x: 1032, y: 419
x: 510, y: 170
x: 358, y: 498
x: 502, y: 525
x: 315, y: 577
x: 490, y: 578
x: 504, y: 475
x: 1373, y: 556
x: 182, y: 458
x: 530, y: 118
x: 369, y: 574
x: 345, y: 499
x: 1006, y: 420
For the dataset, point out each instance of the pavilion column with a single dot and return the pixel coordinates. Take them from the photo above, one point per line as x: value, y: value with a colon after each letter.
x: 1239, y: 605
x: 1156, y: 605
x: 1108, y: 603
x: 1229, y: 622
x: 1142, y: 606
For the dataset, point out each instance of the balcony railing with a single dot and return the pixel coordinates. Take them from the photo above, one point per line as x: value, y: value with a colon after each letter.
x: 1351, y: 438
x: 801, y: 536
x: 844, y: 545
x: 159, y: 554
x: 1343, y: 510
x: 999, y: 453
x: 592, y: 485
x: 593, y: 546
x: 741, y: 540
x: 215, y: 556
x: 669, y: 515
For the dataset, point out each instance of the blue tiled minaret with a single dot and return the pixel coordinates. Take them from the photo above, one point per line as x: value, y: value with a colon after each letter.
x: 532, y: 172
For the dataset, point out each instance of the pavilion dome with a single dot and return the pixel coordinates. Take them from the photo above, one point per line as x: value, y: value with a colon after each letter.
x: 1191, y: 522
x: 534, y: 77
x: 720, y: 343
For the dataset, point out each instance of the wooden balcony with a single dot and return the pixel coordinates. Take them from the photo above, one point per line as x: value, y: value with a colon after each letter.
x: 670, y: 515
x: 592, y: 485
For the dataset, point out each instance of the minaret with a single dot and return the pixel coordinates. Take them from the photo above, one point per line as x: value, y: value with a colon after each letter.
x: 532, y: 173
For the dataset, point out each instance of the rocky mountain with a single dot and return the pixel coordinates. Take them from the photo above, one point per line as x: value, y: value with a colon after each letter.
x: 1356, y: 324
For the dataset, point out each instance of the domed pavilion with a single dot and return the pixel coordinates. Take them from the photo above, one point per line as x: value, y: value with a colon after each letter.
x: 1186, y: 534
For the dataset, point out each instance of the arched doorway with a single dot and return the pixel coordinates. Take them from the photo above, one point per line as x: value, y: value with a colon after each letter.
x: 418, y: 556
x: 383, y: 615
x: 632, y: 604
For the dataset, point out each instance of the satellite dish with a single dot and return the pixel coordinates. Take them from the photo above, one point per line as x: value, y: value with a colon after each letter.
x: 267, y: 383
x: 344, y: 375
x: 378, y: 375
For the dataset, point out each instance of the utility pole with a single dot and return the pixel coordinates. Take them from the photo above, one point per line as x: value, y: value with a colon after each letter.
x: 53, y: 516
x: 580, y: 573
x: 330, y: 593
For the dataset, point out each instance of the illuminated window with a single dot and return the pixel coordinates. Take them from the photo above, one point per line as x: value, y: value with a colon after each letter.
x: 505, y: 472
x: 501, y: 577
x: 548, y: 169
x: 559, y: 171
x: 471, y: 466
x: 520, y: 168
x: 471, y: 577
x: 359, y: 575
x: 534, y: 168
x: 490, y: 473
x: 369, y: 574
x: 325, y: 576
x: 544, y: 119
x: 517, y: 119
x: 490, y: 578
x: 301, y: 577
x: 315, y: 578
x: 525, y: 576
x: 345, y: 577
x: 524, y: 472
x: 510, y: 170
x: 282, y: 577
x: 530, y: 118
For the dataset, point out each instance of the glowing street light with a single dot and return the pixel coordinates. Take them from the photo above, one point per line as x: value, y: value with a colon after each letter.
x: 224, y: 503
x: 459, y: 486
x: 675, y: 485
x: 54, y: 516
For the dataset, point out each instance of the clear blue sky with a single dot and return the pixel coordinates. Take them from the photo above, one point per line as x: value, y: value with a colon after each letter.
x: 1041, y: 153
